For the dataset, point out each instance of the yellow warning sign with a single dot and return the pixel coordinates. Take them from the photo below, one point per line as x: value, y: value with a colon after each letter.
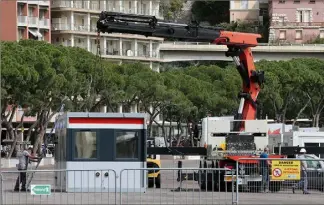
x: 285, y: 170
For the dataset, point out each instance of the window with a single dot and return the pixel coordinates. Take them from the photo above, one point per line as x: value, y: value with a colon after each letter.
x: 244, y: 4
x: 296, y: 1
x: 282, y: 35
x: 85, y: 145
x: 282, y: 1
x: 312, y: 1
x: 321, y: 33
x: 303, y: 16
x: 127, y: 145
x: 299, y: 34
x: 312, y: 164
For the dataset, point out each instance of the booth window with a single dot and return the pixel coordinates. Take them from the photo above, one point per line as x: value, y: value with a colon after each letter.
x: 85, y: 145
x: 127, y: 145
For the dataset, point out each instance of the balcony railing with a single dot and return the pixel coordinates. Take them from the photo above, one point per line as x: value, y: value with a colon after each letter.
x: 44, y: 23
x: 61, y: 27
x: 32, y: 21
x: 78, y: 27
x: 80, y: 5
x: 96, y: 6
x: 69, y: 27
x: 320, y: 24
x: 22, y: 20
x: 57, y: 3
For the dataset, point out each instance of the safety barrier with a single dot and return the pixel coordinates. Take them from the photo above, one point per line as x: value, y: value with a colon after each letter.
x: 283, y: 178
x: 128, y: 186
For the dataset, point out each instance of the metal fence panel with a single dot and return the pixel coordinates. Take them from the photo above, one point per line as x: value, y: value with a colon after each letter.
x: 66, y: 187
x: 177, y: 186
x: 284, y: 182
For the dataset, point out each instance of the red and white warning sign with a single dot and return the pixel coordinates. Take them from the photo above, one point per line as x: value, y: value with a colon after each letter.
x: 277, y: 172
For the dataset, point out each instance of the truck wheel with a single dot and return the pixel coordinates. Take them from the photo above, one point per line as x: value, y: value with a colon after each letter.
x: 158, y: 182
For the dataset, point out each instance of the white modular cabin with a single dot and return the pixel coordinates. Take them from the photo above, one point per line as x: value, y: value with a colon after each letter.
x: 91, y: 145
x: 215, y: 129
x: 295, y: 136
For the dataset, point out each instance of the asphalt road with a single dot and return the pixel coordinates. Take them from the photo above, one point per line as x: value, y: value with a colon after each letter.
x: 190, y: 194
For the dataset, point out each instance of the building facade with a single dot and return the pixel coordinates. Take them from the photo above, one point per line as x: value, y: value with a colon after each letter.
x: 74, y: 24
x: 25, y: 19
x: 296, y: 21
x: 248, y: 10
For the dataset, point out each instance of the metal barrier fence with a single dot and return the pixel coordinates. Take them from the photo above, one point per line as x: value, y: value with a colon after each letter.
x: 284, y: 181
x: 128, y: 186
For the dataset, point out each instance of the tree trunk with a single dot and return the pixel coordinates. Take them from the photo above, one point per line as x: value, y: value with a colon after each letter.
x: 300, y: 112
x: 14, y: 143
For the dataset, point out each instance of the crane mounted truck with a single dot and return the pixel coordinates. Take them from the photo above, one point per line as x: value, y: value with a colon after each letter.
x: 241, y: 134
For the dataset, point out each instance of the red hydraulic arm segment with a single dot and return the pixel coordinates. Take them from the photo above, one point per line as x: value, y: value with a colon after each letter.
x: 239, y: 48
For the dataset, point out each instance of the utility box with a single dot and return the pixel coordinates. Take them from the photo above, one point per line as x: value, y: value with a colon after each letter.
x: 90, y: 145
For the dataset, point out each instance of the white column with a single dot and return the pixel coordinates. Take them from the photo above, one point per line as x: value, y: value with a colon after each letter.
x: 135, y: 108
x: 120, y: 46
x: 88, y: 5
x: 151, y: 65
x: 72, y: 40
x: 104, y: 52
x: 150, y: 7
x: 88, y: 22
x: 135, y: 47
x: 135, y: 7
x: 104, y: 6
x: 120, y: 109
x: 151, y: 49
x: 72, y: 3
x: 121, y: 8
x: 88, y: 44
x: 103, y: 109
x: 72, y: 21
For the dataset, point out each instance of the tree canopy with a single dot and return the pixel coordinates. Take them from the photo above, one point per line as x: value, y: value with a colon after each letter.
x: 39, y: 77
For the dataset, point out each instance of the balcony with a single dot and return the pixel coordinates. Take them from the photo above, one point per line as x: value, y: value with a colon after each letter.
x: 95, y: 6
x: 32, y: 21
x: 44, y: 23
x: 82, y: 28
x: 22, y: 20
x: 61, y: 4
x: 69, y: 27
x: 80, y: 5
x: 43, y: 3
x: 298, y: 24
x: 61, y: 27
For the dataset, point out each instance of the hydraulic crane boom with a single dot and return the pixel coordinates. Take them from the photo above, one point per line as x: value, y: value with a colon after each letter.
x: 239, y: 48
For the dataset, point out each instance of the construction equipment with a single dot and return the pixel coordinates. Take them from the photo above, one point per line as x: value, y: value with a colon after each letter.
x: 240, y: 133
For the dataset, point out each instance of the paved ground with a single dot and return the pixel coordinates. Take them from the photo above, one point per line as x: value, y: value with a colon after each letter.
x: 166, y: 195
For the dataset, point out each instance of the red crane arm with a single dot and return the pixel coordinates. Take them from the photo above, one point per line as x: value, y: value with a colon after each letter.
x: 239, y: 48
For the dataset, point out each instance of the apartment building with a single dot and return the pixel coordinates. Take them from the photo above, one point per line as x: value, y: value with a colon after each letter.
x: 248, y: 10
x: 25, y: 19
x: 74, y: 24
x: 296, y: 21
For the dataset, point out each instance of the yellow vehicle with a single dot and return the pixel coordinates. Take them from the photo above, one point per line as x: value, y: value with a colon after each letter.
x: 154, y: 176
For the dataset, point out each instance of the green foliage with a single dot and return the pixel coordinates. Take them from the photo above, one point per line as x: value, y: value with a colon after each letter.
x: 42, y: 76
x: 172, y: 9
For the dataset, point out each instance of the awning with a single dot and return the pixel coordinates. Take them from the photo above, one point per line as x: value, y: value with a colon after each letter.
x: 35, y: 33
